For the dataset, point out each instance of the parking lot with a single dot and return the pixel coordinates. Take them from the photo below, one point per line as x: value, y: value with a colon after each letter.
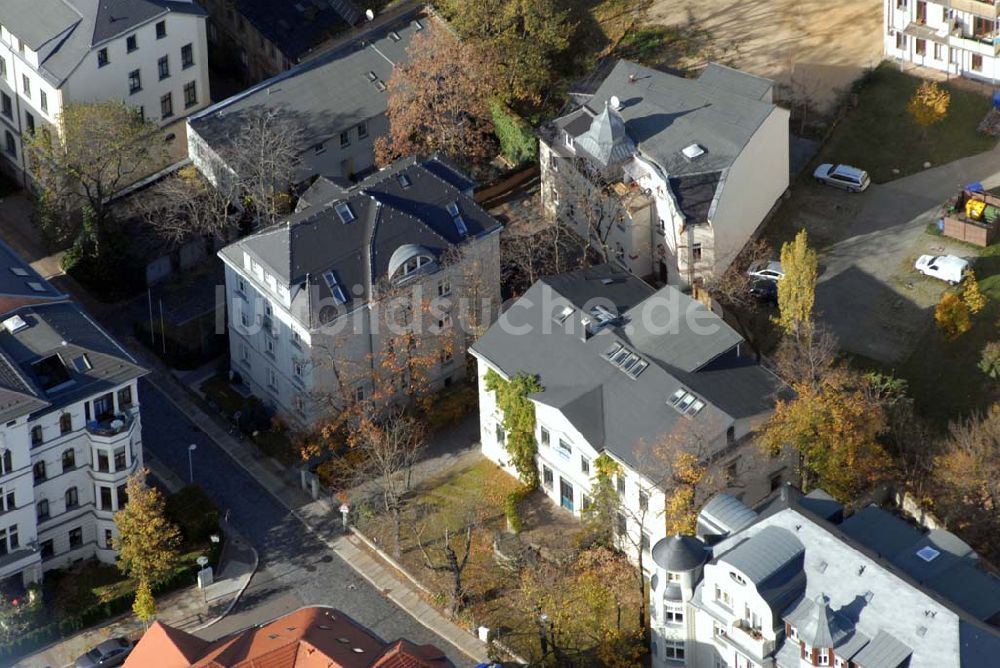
x: 868, y: 292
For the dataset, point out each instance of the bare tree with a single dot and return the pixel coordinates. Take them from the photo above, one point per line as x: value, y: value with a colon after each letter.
x: 526, y: 257
x: 731, y: 289
x: 587, y: 204
x: 184, y: 206
x: 264, y: 157
x: 452, y: 559
x: 388, y: 446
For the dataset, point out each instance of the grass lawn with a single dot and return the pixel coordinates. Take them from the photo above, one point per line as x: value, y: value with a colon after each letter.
x: 944, y: 378
x: 879, y: 135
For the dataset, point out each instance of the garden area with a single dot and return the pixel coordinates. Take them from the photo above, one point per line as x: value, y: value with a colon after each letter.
x: 879, y: 134
x: 91, y: 592
x: 944, y: 375
x: 267, y: 432
x: 544, y: 590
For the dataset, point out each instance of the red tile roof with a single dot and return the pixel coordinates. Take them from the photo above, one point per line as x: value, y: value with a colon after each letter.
x: 314, y: 637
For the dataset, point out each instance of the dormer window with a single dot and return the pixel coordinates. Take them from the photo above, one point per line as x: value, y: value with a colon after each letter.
x: 415, y: 263
x: 404, y: 180
x: 737, y: 578
x: 822, y: 656
x: 568, y: 139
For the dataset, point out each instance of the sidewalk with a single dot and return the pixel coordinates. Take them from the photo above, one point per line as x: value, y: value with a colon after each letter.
x: 190, y: 609
x: 318, y: 517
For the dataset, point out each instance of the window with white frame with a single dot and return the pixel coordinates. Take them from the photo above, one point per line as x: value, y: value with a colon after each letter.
x: 673, y: 650
x: 565, y: 449
x: 673, y: 613
x: 269, y: 344
x: 584, y: 465
x: 444, y: 288
x: 547, y: 478
x: 822, y: 656
x: 544, y: 437
x: 272, y: 378
x: 297, y: 369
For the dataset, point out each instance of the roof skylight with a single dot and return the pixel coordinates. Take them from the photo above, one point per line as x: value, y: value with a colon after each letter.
x: 693, y: 151
x: 18, y: 271
x: 629, y: 362
x: 404, y: 180
x: 36, y: 286
x: 15, y: 323
x: 335, y: 289
x: 564, y: 312
x: 343, y: 210
x: 456, y: 218
x: 685, y: 402
x: 928, y: 553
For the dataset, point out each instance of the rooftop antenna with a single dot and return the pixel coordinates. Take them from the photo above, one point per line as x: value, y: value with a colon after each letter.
x: 370, y: 14
x: 616, y: 104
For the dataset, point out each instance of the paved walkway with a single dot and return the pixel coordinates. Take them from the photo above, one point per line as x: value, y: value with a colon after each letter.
x: 319, y: 517
x: 190, y: 609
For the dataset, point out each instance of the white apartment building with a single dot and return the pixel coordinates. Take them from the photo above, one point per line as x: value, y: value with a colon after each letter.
x: 795, y: 585
x: 71, y: 431
x: 306, y: 322
x: 150, y: 53
x: 623, y: 369
x: 695, y: 164
x: 956, y: 36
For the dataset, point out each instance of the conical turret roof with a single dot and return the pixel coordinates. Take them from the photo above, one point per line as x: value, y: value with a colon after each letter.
x: 606, y: 141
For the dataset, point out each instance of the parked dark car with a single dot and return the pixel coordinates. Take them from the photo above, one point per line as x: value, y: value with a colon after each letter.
x: 109, y: 653
x: 764, y: 291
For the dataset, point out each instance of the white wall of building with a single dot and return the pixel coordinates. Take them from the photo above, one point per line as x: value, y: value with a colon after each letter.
x: 47, y: 479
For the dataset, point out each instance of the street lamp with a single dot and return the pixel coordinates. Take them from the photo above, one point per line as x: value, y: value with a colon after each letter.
x: 191, y: 449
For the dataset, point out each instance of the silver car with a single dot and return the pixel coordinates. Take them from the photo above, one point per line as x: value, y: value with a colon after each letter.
x: 768, y: 270
x: 849, y: 178
x: 109, y: 653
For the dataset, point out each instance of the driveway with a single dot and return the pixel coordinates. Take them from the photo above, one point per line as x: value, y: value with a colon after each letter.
x: 868, y: 292
x: 816, y: 48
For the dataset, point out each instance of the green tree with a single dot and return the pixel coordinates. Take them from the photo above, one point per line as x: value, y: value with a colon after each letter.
x: 144, y: 605
x: 518, y: 421
x: 525, y: 37
x: 600, y: 516
x: 797, y: 290
x: 99, y: 149
x: 148, y: 542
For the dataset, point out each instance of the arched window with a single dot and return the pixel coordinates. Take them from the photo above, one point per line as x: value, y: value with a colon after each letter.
x: 72, y: 498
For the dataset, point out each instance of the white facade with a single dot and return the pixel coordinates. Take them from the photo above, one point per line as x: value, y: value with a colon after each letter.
x: 63, y: 477
x: 959, y: 37
x: 169, y: 54
x: 294, y: 367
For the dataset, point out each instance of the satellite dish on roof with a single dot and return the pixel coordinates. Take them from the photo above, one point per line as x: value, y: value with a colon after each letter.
x: 616, y: 104
x: 370, y: 14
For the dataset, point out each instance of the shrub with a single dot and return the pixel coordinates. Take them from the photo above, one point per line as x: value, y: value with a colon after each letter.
x: 517, y: 142
x: 952, y: 316
x: 512, y: 507
x: 194, y: 513
x: 973, y: 297
x: 989, y: 361
x: 451, y: 405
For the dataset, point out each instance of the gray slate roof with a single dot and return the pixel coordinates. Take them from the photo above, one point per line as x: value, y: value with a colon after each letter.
x: 64, y: 32
x: 325, y: 95
x: 680, y: 553
x: 606, y: 140
x: 663, y: 114
x: 314, y: 240
x: 63, y: 329
x: 612, y: 410
x: 19, y: 280
x: 881, y: 601
x: 296, y: 28
x: 724, y: 514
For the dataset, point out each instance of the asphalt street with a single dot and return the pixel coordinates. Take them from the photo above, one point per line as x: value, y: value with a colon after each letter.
x: 296, y: 568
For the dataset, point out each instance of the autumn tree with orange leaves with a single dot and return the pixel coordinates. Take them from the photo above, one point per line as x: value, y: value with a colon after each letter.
x: 439, y: 103
x: 833, y: 422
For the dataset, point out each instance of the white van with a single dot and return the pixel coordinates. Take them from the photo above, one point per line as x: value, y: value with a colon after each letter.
x: 945, y: 267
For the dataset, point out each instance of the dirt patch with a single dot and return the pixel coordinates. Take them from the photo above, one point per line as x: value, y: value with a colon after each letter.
x: 812, y: 48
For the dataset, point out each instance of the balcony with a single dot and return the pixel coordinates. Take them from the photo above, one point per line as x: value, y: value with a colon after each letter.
x: 746, y: 640
x: 984, y: 45
x: 115, y: 425
x: 977, y: 7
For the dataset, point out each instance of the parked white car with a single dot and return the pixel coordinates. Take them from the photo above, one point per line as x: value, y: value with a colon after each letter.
x: 849, y: 178
x: 945, y: 267
x: 767, y: 269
